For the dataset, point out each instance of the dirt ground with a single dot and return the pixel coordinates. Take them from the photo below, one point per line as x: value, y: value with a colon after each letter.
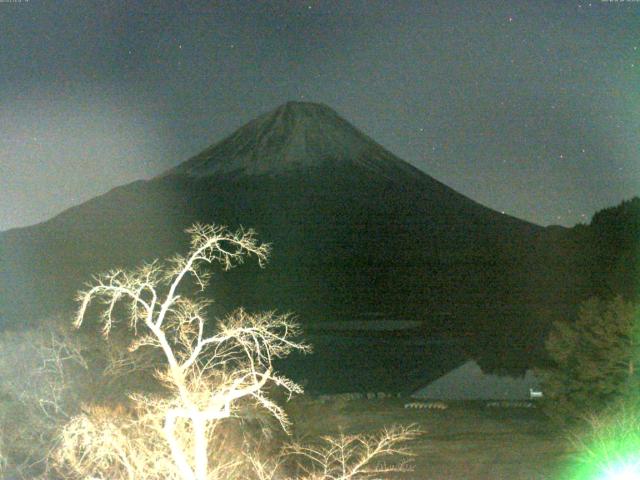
x: 467, y: 441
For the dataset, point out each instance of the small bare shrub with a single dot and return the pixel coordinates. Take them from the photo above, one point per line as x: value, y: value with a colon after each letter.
x: 343, y: 457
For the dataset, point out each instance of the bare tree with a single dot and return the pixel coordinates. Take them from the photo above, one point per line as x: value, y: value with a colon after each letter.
x: 207, y: 375
x: 183, y: 435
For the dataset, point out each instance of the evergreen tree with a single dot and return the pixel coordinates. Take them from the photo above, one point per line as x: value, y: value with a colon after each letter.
x: 594, y: 361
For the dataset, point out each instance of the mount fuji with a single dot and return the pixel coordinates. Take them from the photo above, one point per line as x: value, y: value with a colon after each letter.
x: 357, y: 234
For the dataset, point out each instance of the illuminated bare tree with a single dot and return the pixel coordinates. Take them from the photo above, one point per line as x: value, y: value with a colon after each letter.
x: 207, y: 375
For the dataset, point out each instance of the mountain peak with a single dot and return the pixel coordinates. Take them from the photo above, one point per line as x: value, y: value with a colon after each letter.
x: 293, y: 107
x: 294, y: 136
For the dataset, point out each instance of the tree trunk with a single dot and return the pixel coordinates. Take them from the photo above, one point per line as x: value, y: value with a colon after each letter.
x: 200, y: 436
x: 176, y: 450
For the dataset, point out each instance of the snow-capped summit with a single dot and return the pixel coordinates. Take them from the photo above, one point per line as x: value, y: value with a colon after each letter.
x: 294, y: 136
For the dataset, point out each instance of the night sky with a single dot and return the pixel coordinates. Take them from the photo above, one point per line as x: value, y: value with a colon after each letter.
x: 529, y: 107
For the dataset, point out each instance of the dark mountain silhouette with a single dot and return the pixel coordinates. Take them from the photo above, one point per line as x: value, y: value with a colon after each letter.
x: 357, y: 233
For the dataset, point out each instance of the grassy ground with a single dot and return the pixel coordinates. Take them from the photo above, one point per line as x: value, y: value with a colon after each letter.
x: 465, y: 442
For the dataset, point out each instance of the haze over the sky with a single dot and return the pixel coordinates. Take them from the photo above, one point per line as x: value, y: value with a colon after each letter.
x: 529, y: 107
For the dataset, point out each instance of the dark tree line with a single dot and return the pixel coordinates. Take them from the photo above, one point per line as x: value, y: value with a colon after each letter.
x: 593, y: 354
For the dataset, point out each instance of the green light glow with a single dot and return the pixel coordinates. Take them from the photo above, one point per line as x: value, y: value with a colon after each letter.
x: 608, y: 469
x: 610, y: 448
x: 624, y: 471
